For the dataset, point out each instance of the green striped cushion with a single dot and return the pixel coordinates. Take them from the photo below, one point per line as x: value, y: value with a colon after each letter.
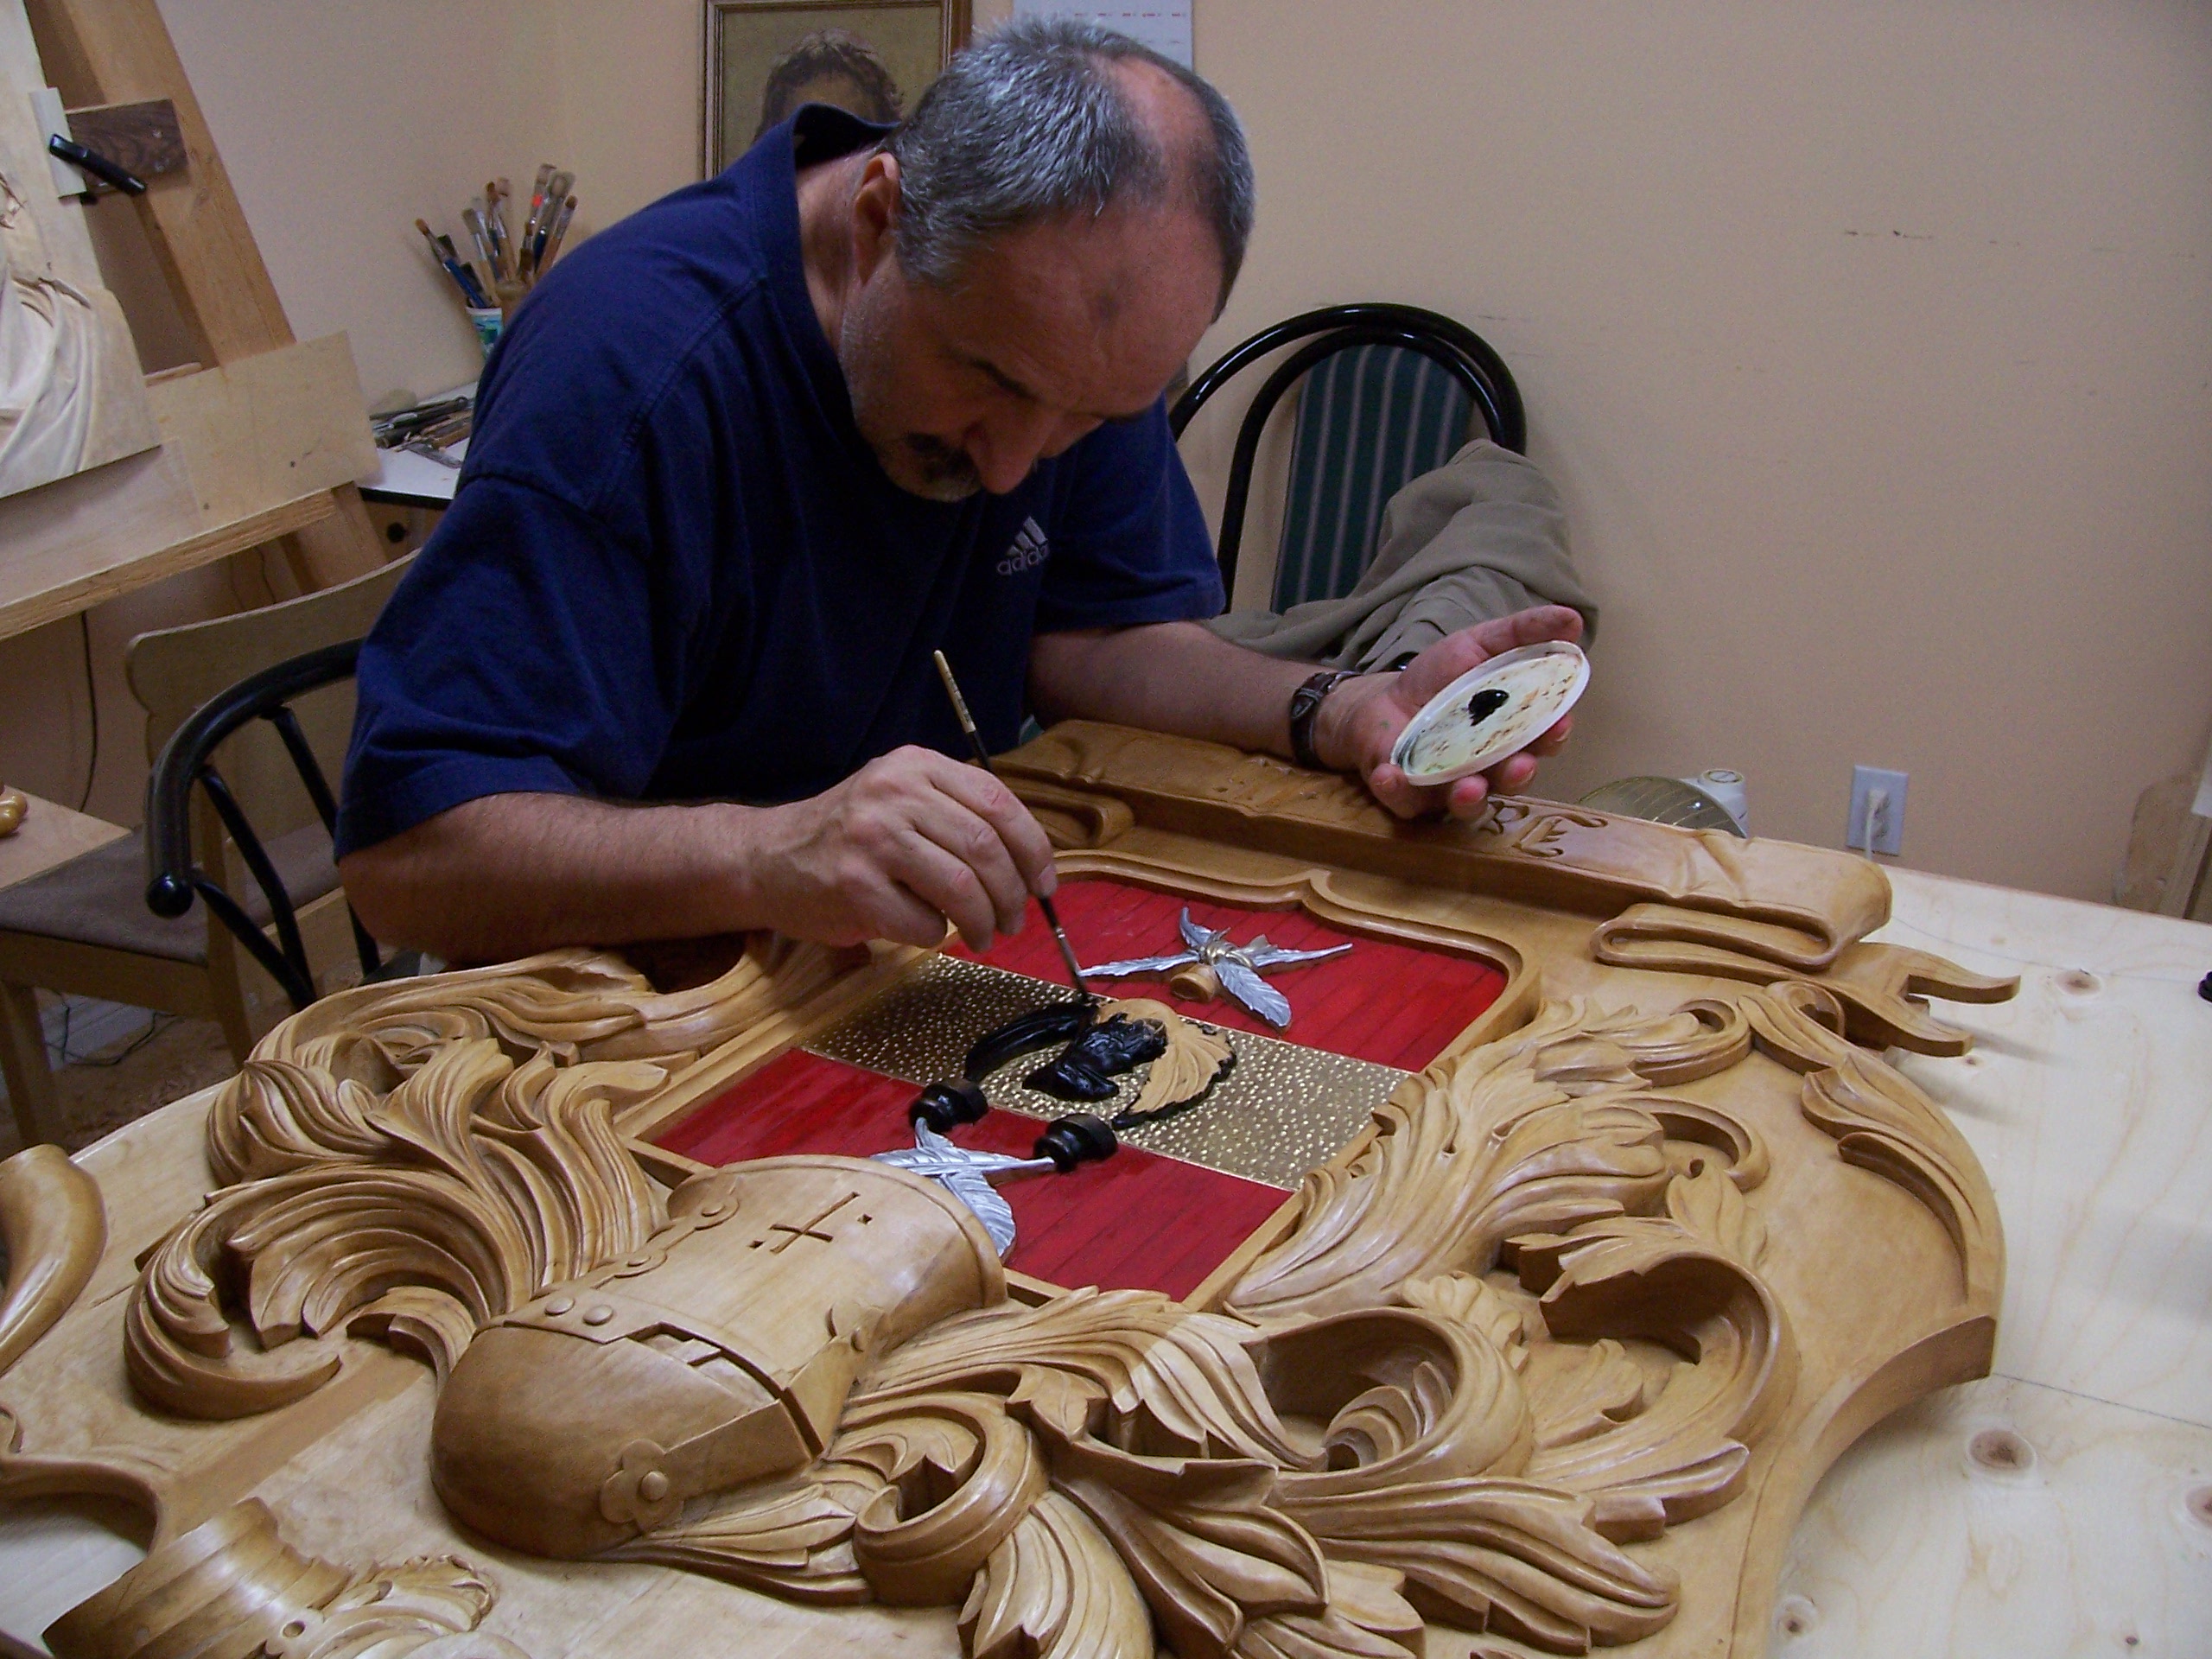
x: 1369, y: 419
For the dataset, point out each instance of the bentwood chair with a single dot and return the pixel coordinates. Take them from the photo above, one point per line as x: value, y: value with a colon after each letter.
x: 227, y: 709
x: 1389, y: 392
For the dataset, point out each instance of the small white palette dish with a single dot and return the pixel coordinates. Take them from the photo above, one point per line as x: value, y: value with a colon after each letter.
x: 1491, y: 712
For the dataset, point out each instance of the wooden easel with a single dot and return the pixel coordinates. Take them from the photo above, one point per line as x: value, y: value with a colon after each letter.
x: 252, y: 383
x: 261, y: 437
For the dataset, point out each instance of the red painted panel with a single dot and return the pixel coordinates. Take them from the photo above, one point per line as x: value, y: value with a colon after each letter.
x: 1393, y: 1003
x: 1138, y: 1221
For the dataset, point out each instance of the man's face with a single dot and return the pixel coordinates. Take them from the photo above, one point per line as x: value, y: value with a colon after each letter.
x: 1052, y: 330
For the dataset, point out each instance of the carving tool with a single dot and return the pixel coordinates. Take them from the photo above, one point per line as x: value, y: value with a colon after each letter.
x: 983, y: 759
x: 92, y: 161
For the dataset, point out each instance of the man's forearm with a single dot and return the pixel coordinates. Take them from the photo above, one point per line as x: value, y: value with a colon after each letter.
x: 505, y: 876
x: 912, y: 841
x: 1170, y: 677
x: 1178, y: 677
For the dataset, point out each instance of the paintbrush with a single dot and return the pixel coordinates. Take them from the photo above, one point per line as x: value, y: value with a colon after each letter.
x: 552, y: 238
x: 495, y: 217
x: 983, y: 759
x: 480, y: 233
x: 442, y: 250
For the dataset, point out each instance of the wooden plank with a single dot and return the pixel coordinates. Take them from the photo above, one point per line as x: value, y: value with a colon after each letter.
x: 51, y: 603
x: 249, y: 453
x: 143, y: 138
x: 119, y: 51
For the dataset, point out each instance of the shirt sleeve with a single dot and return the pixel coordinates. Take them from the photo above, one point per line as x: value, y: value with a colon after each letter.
x: 1129, y: 544
x: 519, y: 654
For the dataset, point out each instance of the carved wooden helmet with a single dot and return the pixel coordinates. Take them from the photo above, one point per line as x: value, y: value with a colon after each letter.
x: 720, y: 1354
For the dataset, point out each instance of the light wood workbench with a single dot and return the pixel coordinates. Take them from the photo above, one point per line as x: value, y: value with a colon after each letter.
x: 2088, y: 1099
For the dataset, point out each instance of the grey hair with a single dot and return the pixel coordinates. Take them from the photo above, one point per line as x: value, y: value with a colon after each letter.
x: 1028, y: 124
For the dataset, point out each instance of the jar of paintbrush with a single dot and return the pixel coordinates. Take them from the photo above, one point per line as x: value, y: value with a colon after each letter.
x: 506, y: 265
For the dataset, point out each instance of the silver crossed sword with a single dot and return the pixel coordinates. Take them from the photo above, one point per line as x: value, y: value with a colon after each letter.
x: 1237, y: 966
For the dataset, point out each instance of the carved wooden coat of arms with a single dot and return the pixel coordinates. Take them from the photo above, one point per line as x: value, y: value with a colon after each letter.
x: 1555, y: 1252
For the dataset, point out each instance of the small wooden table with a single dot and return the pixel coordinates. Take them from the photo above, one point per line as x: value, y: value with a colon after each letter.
x: 51, y: 834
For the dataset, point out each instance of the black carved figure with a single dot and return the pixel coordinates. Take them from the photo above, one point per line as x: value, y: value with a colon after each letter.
x: 1087, y: 1067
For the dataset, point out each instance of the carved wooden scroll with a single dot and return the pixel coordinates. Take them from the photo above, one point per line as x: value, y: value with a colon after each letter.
x: 1551, y: 1355
x: 54, y: 1227
x: 1794, y: 907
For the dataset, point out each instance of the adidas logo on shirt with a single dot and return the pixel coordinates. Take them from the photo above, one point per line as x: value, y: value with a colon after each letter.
x: 1029, y: 550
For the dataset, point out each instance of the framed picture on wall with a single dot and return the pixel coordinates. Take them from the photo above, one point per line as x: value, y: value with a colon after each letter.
x: 764, y: 57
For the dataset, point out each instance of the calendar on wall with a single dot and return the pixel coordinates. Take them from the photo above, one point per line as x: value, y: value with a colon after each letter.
x: 1164, y: 25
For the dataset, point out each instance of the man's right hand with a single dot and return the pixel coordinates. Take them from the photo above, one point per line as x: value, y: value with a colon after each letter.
x: 911, y: 840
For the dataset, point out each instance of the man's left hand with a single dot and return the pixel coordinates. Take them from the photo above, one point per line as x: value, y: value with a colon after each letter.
x: 1355, y: 727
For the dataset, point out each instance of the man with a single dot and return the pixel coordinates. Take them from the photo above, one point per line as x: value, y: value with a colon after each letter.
x: 749, y: 456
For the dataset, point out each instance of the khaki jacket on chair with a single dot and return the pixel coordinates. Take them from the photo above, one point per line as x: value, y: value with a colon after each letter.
x: 1481, y: 536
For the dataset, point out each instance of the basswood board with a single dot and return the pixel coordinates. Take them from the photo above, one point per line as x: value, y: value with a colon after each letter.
x: 249, y: 452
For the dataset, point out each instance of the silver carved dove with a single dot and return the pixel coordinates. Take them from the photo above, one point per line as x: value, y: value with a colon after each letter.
x: 1237, y: 966
x: 968, y: 1176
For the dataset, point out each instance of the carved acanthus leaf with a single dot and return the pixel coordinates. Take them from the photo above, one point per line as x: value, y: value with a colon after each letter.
x: 1367, y: 1617
x: 1576, y: 1393
x: 791, y: 1540
x: 414, y: 1159
x: 1463, y: 1298
x: 1883, y: 1121
x: 1174, y: 1381
x: 312, y: 1083
x: 1054, y: 1589
x: 1681, y: 1281
x: 1540, y: 1130
x: 1198, y: 1537
x: 494, y: 1181
x: 1512, y: 1556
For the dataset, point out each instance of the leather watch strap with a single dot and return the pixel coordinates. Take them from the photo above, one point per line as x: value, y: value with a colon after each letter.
x: 1305, y: 704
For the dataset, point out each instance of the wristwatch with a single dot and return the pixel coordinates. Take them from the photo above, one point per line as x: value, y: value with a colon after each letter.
x: 1305, y: 704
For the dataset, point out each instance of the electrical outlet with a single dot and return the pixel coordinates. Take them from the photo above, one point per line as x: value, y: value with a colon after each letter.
x: 1877, y: 810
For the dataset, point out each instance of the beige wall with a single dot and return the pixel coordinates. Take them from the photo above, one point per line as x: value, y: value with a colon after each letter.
x: 1871, y: 344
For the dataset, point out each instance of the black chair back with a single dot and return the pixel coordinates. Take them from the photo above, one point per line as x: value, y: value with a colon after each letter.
x: 1461, y: 354
x: 176, y: 875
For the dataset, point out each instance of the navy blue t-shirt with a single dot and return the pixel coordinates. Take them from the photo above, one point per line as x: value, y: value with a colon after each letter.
x: 674, y: 571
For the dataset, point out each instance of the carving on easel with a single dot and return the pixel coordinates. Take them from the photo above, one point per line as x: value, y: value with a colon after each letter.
x: 71, y: 395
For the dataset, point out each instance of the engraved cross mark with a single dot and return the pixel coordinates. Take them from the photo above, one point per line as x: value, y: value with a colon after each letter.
x: 807, y: 1229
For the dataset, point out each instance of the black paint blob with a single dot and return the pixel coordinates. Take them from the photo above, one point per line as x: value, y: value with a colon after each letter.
x: 1087, y: 1067
x: 1483, y: 705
